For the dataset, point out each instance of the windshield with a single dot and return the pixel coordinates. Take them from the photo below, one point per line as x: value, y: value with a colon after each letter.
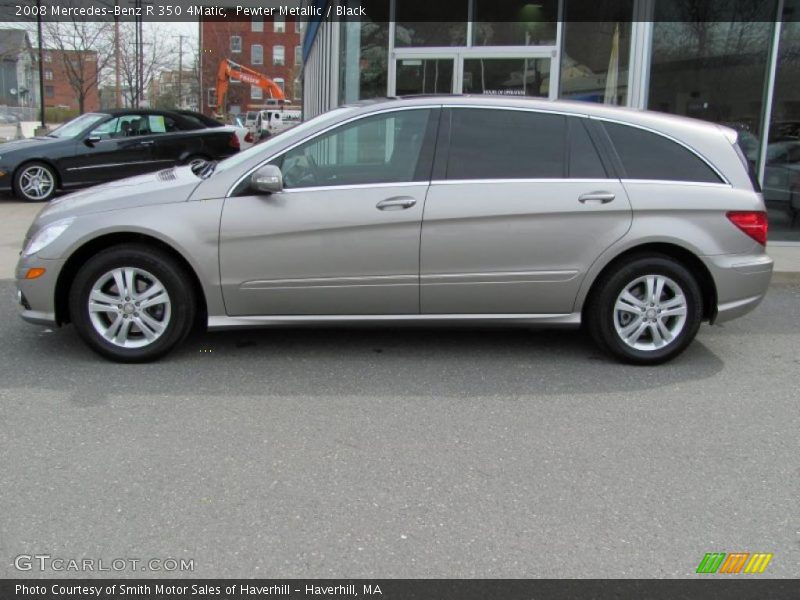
x: 265, y: 148
x: 72, y: 128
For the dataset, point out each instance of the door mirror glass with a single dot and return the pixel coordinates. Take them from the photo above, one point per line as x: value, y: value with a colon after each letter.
x: 267, y: 180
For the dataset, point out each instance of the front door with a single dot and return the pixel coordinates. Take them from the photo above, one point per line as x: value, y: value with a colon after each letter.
x: 473, y: 71
x: 343, y: 236
x: 123, y: 147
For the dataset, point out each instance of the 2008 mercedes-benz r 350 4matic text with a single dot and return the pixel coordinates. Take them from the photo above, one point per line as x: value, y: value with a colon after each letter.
x: 424, y: 210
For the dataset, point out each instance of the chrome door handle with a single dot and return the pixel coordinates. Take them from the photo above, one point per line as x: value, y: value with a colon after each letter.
x: 147, y: 143
x: 596, y: 197
x: 396, y: 203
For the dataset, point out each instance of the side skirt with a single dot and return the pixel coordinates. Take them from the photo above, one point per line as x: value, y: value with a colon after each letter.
x: 526, y: 320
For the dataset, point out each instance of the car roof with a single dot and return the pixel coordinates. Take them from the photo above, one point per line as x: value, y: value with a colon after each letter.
x: 658, y: 121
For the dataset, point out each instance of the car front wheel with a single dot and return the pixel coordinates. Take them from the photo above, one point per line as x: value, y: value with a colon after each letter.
x: 646, y: 311
x: 35, y: 182
x: 131, y: 303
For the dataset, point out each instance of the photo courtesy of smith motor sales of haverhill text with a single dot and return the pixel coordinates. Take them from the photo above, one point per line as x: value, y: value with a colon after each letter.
x: 399, y: 299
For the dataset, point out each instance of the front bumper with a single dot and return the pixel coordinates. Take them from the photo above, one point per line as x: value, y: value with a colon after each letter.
x: 741, y: 280
x: 36, y: 297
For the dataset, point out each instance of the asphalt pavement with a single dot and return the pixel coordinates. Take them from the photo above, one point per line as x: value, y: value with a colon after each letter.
x: 403, y: 453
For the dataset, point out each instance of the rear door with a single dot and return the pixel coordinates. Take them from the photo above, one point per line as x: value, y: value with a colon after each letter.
x: 520, y: 206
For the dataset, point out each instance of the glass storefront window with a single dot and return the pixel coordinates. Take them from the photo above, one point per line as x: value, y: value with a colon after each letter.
x: 507, y: 76
x: 781, y: 182
x: 595, y: 56
x: 364, y: 58
x: 449, y: 30
x: 424, y: 76
x: 713, y: 69
x: 514, y: 23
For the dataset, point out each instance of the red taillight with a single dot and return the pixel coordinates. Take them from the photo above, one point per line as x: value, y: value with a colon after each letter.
x: 751, y: 222
x: 234, y: 141
x: 249, y: 137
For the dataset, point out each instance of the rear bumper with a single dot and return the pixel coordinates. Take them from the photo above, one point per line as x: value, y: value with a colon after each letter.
x: 741, y: 280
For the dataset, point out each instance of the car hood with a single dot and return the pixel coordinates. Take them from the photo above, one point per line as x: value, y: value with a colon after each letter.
x: 29, y: 143
x: 161, y: 187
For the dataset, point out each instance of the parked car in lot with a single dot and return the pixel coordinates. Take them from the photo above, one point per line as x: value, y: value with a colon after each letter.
x: 104, y: 146
x: 426, y: 211
x: 246, y: 138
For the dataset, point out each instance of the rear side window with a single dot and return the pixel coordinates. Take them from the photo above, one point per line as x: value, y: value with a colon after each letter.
x: 506, y: 144
x: 647, y: 155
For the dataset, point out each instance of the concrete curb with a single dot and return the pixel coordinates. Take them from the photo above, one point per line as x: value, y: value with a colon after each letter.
x: 784, y: 277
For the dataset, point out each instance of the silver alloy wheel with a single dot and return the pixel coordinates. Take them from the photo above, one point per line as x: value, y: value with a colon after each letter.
x: 36, y: 182
x: 129, y: 307
x: 650, y: 312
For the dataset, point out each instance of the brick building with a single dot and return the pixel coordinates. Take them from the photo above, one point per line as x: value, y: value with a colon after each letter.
x: 270, y: 46
x: 64, y: 66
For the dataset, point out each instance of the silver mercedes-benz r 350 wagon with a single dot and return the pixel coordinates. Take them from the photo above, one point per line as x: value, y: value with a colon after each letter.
x: 427, y: 210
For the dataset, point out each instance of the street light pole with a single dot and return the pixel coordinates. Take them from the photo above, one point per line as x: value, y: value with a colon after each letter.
x: 41, y: 60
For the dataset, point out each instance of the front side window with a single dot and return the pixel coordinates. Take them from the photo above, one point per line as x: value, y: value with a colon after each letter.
x: 647, y: 155
x: 124, y: 126
x: 506, y: 144
x: 385, y: 148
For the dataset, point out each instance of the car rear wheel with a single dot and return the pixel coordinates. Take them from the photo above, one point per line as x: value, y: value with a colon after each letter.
x: 35, y: 182
x: 132, y: 303
x: 646, y: 311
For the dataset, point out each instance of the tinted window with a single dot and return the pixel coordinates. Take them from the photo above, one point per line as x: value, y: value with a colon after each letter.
x: 584, y: 161
x: 506, y: 144
x: 385, y: 148
x: 648, y: 155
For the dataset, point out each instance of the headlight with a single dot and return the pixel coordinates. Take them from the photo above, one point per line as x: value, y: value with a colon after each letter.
x: 46, y: 236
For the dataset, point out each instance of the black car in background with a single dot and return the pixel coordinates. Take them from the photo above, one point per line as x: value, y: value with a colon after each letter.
x: 104, y: 146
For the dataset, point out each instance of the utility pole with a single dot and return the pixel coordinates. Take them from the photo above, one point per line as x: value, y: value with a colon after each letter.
x: 117, y: 82
x: 180, y: 70
x: 41, y: 60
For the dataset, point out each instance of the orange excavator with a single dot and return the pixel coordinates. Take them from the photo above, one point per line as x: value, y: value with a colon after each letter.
x: 230, y: 71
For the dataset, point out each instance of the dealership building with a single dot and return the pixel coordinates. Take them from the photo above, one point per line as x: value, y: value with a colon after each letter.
x: 734, y: 62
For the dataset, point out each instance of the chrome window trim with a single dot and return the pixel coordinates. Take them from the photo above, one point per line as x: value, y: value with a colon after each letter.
x: 356, y: 186
x: 322, y: 132
x: 672, y: 139
x: 523, y: 180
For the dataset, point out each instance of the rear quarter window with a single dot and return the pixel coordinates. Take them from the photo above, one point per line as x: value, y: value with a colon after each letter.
x: 647, y: 155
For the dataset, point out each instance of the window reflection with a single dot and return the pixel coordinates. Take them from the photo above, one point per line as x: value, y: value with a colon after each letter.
x: 514, y: 23
x: 782, y: 166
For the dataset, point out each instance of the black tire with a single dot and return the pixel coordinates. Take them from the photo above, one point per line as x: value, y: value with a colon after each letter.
x: 603, y: 320
x: 150, y: 261
x: 19, y: 190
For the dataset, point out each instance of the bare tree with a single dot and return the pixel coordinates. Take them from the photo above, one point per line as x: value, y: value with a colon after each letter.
x: 158, y: 52
x: 84, y: 49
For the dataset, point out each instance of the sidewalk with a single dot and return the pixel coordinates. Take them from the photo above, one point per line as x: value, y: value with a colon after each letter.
x: 15, y: 217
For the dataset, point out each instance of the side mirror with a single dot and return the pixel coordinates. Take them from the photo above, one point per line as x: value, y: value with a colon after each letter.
x: 267, y: 180
x: 92, y: 140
